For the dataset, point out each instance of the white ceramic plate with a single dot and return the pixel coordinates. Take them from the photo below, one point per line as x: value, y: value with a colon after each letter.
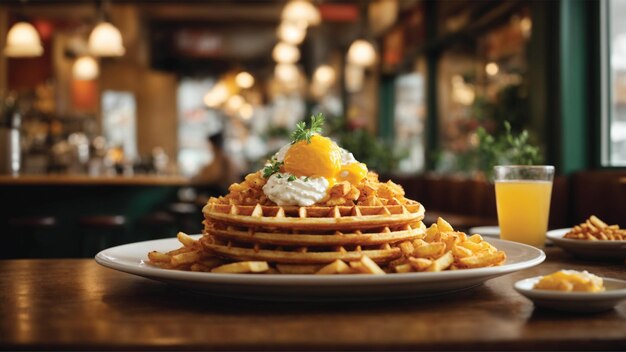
x: 131, y: 258
x: 574, y: 301
x: 491, y: 231
x: 588, y: 249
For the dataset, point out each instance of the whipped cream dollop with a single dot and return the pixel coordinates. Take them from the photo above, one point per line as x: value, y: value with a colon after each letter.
x: 302, y: 191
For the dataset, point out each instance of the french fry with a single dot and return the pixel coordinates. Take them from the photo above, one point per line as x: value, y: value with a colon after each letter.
x: 594, y: 229
x: 420, y: 264
x: 297, y: 268
x: 407, y: 248
x: 336, y: 267
x: 461, y: 252
x: 186, y: 258
x: 185, y: 239
x: 211, y: 262
x: 430, y: 250
x: 472, y: 246
x: 476, y: 238
x: 158, y: 257
x: 597, y: 222
x: 403, y: 268
x: 242, y: 267
x: 368, y: 266
x: 444, y: 226
x: 441, y: 263
x: 431, y: 232
x: 483, y: 259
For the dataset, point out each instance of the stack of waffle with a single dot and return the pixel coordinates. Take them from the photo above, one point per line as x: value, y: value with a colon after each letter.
x: 310, y: 235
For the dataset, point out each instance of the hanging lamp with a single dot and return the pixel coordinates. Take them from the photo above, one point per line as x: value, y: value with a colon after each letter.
x: 105, y: 39
x: 23, y: 41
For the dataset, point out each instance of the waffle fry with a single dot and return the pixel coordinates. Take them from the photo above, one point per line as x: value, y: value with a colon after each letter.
x: 594, y: 229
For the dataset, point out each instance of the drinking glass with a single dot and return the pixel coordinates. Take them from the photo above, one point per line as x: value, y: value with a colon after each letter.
x: 523, y: 201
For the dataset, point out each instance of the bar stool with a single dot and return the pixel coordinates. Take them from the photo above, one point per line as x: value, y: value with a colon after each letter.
x: 188, y: 217
x: 28, y: 236
x: 158, y: 224
x: 100, y: 232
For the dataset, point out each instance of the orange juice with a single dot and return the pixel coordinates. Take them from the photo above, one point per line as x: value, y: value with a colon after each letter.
x: 523, y: 209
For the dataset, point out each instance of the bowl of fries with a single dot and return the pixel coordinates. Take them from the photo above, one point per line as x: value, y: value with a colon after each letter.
x: 582, y: 302
x: 593, y: 239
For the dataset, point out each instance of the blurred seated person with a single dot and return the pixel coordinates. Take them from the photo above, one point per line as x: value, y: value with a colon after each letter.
x: 215, y: 177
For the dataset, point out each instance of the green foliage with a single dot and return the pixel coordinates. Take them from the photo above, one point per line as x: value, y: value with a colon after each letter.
x: 272, y: 168
x: 303, y: 133
x: 366, y: 148
x: 505, y: 149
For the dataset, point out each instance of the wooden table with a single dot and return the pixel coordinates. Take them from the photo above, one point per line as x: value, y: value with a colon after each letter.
x: 76, y: 304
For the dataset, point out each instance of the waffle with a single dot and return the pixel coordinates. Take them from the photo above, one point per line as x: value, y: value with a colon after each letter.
x: 337, y: 218
x: 310, y: 235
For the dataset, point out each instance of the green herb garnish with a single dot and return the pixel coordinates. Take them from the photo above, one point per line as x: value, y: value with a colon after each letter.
x: 302, y: 133
x: 291, y: 178
x: 272, y: 168
x: 306, y: 179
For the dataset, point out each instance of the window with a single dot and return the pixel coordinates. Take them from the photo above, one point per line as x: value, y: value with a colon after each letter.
x: 409, y: 119
x: 119, y: 121
x: 614, y: 82
x: 195, y: 124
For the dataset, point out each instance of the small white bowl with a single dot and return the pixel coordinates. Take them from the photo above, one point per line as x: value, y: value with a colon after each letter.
x: 587, y: 302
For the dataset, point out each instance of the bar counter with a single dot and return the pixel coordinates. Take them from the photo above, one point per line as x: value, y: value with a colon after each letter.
x: 69, y: 200
x: 77, y: 305
x: 85, y: 180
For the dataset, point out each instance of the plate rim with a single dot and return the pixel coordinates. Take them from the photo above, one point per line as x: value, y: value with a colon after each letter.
x: 141, y: 268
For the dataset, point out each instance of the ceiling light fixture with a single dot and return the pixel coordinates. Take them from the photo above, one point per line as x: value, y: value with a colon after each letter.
x: 23, y: 41
x: 284, y: 53
x: 244, y: 80
x: 324, y: 75
x: 291, y: 32
x: 362, y: 53
x: 106, y: 40
x: 286, y: 72
x: 85, y: 68
x: 301, y: 11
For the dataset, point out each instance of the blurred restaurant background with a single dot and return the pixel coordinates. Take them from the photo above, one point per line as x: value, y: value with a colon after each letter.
x: 118, y: 119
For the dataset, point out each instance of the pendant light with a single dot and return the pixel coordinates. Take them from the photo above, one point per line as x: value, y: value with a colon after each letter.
x: 291, y: 32
x: 85, y: 68
x: 105, y: 39
x: 284, y: 53
x: 23, y: 41
x: 301, y: 11
x: 244, y: 80
x: 362, y: 53
x: 324, y: 76
x: 287, y: 72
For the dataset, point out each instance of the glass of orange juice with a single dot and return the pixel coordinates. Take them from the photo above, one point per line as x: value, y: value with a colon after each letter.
x: 523, y: 201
